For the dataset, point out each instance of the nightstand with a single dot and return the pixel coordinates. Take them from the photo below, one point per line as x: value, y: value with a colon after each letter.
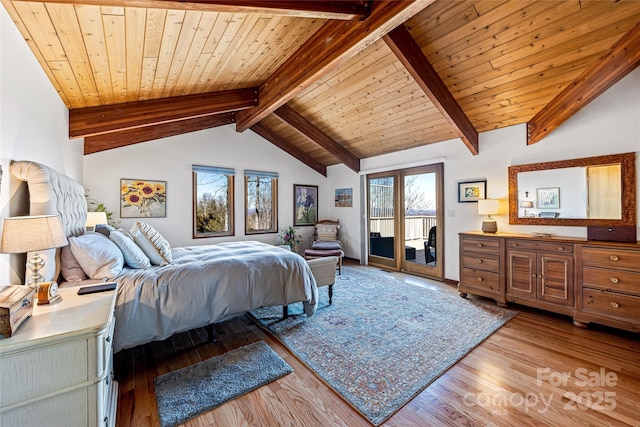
x: 57, y: 369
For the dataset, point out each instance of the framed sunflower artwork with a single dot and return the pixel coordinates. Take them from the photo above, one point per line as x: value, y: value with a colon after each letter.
x: 143, y: 198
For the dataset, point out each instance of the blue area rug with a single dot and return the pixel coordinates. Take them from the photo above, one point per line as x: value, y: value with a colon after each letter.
x: 198, y: 388
x: 383, y: 341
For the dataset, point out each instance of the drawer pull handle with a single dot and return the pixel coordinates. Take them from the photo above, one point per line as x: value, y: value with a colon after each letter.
x: 614, y: 304
x: 480, y: 245
x: 560, y: 248
x: 614, y: 279
x: 479, y: 279
x: 614, y: 258
x: 479, y: 261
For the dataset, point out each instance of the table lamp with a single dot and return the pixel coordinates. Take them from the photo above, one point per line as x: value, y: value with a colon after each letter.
x: 22, y: 234
x: 526, y: 204
x: 95, y: 218
x: 489, y: 207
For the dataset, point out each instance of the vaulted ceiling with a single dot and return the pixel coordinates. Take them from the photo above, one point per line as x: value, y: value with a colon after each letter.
x: 327, y: 81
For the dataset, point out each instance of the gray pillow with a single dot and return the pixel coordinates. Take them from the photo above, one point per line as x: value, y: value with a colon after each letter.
x: 69, y: 267
x: 98, y: 256
x: 326, y: 246
x: 134, y: 257
x: 103, y: 229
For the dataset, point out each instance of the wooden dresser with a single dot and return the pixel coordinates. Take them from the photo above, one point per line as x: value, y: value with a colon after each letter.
x: 57, y: 369
x: 591, y: 281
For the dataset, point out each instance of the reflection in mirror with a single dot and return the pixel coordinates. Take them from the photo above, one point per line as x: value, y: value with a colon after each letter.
x: 578, y: 192
x: 591, y: 191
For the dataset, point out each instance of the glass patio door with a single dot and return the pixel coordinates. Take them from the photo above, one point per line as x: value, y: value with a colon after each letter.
x: 405, y: 220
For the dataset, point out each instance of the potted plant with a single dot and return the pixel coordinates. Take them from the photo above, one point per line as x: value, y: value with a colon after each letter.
x: 291, y: 237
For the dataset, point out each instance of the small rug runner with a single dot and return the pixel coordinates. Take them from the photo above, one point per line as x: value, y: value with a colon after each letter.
x: 383, y: 341
x: 198, y: 388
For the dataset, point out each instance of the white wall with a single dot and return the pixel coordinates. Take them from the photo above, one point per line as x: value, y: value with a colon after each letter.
x: 33, y: 124
x: 608, y: 125
x: 170, y: 159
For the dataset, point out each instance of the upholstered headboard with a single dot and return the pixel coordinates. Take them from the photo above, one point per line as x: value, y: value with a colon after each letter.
x: 52, y: 193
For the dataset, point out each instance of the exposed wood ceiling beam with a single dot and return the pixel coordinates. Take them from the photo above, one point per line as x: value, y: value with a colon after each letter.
x: 335, y: 43
x: 622, y: 58
x: 309, y: 130
x: 337, y: 10
x: 108, y: 141
x: 417, y: 64
x: 294, y: 151
x: 112, y: 118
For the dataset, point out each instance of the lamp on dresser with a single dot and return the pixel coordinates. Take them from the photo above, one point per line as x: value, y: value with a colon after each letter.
x: 526, y: 204
x: 95, y: 218
x: 22, y: 234
x: 489, y: 207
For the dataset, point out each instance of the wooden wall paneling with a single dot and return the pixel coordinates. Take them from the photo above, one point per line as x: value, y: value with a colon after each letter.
x: 288, y: 147
x: 69, y: 34
x: 134, y: 40
x: 114, y: 28
x: 17, y: 20
x: 439, y: 19
x: 153, y: 30
x: 330, y: 46
x: 409, y: 53
x: 96, y: 120
x: 171, y: 34
x: 621, y: 59
x: 111, y: 140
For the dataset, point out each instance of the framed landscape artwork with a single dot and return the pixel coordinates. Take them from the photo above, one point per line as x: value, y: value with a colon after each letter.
x: 472, y: 191
x: 143, y: 198
x: 548, y: 198
x: 305, y: 208
x: 344, y: 197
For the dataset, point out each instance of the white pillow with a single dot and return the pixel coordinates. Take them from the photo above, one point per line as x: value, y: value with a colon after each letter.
x: 134, y: 257
x: 98, y: 256
x: 152, y: 243
x: 69, y: 267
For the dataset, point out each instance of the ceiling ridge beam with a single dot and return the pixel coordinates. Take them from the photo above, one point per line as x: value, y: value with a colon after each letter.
x: 332, y: 45
x: 345, y: 10
x: 91, y: 121
x: 311, y: 131
x: 289, y: 148
x: 417, y: 64
x: 111, y: 140
x: 622, y: 58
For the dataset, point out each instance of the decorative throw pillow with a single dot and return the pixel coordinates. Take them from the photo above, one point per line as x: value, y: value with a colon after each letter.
x: 152, y: 243
x: 103, y: 229
x: 98, y: 256
x: 69, y: 267
x: 134, y: 257
x: 326, y: 246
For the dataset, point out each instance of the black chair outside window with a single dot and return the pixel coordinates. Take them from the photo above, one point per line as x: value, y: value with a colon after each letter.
x: 428, y: 244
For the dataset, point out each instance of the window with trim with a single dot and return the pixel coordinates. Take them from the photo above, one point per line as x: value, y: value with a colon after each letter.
x: 212, y: 201
x: 261, y: 202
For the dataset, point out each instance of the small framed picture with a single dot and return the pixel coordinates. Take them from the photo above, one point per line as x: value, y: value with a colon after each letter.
x: 344, y: 197
x: 548, y: 198
x: 305, y: 205
x: 143, y: 198
x: 472, y: 191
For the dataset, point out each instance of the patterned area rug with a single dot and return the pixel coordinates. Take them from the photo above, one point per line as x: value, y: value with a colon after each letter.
x: 198, y: 388
x: 383, y: 341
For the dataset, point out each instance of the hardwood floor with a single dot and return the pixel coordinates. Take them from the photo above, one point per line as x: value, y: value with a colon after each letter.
x: 537, y: 370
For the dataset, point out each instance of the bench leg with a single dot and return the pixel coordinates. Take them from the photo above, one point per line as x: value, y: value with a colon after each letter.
x: 330, y: 294
x: 285, y: 311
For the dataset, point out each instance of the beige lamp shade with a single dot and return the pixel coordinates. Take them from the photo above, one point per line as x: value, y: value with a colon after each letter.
x: 95, y: 218
x: 489, y: 207
x: 21, y: 234
x: 527, y: 204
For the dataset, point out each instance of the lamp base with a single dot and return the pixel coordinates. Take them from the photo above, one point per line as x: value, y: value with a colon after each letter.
x: 489, y: 225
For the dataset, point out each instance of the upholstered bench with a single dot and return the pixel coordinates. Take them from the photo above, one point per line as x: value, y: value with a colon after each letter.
x: 324, y: 272
x: 311, y: 254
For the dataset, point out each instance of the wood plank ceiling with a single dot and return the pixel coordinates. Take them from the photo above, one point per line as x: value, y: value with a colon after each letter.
x: 327, y: 81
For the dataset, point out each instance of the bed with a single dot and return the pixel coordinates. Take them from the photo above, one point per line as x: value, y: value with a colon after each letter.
x: 200, y: 285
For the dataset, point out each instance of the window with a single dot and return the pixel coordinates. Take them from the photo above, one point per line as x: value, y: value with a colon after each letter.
x: 212, y: 201
x: 261, y: 202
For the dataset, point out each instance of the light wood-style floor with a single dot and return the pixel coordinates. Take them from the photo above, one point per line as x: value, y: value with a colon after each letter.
x: 538, y: 370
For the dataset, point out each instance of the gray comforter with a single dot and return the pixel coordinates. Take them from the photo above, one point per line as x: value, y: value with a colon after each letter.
x: 206, y: 284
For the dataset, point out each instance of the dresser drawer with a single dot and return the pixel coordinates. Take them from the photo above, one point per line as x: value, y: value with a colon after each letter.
x: 472, y: 244
x: 611, y: 304
x: 611, y: 279
x: 611, y: 258
x: 481, y: 279
x: 481, y: 261
x: 540, y: 246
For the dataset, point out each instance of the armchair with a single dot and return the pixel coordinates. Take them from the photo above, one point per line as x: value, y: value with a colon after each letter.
x: 326, y: 242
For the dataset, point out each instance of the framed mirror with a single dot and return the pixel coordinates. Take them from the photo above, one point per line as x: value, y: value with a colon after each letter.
x: 592, y: 191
